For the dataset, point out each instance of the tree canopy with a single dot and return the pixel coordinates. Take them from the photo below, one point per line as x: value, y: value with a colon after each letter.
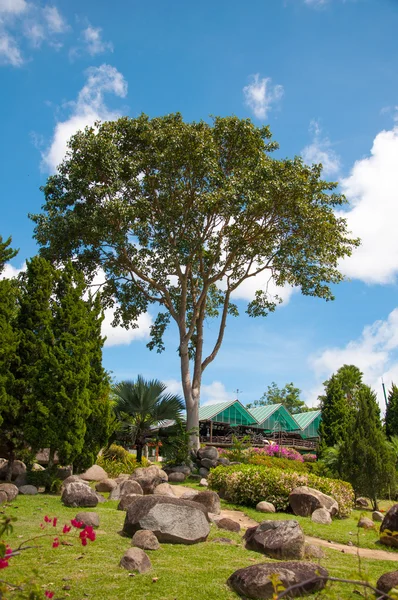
x: 289, y: 396
x: 391, y: 417
x: 177, y: 215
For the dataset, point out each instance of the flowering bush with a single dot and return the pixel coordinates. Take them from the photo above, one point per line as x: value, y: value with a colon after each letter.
x: 249, y: 484
x: 310, y: 458
x: 31, y: 590
x: 278, y: 463
x: 281, y: 452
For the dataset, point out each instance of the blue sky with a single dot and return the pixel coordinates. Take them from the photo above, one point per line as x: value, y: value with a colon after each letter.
x: 321, y: 73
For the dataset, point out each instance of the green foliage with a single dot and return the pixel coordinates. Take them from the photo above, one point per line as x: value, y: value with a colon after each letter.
x: 288, y: 396
x: 6, y: 252
x: 140, y: 405
x: 176, y: 444
x: 249, y: 484
x: 367, y: 460
x: 391, y: 416
x: 48, y: 479
x: 239, y: 449
x: 181, y: 207
x: 277, y: 463
x: 116, y: 460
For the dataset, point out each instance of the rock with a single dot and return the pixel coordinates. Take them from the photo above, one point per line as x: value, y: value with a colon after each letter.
x: 149, y: 478
x: 377, y: 516
x: 78, y: 494
x: 304, y: 500
x: 165, y: 489
x: 223, y: 461
x: 265, y: 507
x: 255, y: 582
x: 101, y: 499
x: 115, y: 493
x: 180, y: 469
x: 208, y: 452
x: 210, y: 500
x: 18, y: 468
x: 362, y: 502
x: 177, y: 477
x: 106, y: 485
x: 207, y: 463
x: 228, y: 524
x: 366, y: 523
x: 37, y: 467
x: 3, y: 497
x: 64, y: 472
x: 94, y: 473
x: 388, y: 528
x: 203, y: 482
x: 122, y: 477
x: 188, y: 495
x: 90, y: 519
x: 313, y: 551
x: 135, y: 559
x: 203, y: 472
x: 28, y: 490
x: 387, y: 582
x: 145, y: 539
x: 21, y: 480
x: 74, y: 479
x: 10, y: 489
x: 172, y: 520
x: 126, y: 500
x: 130, y: 486
x: 277, y: 539
x: 321, y: 516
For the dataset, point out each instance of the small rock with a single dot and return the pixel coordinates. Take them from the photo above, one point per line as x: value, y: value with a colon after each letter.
x: 28, y: 490
x: 277, y: 539
x: 387, y: 582
x: 106, y: 485
x: 228, y: 524
x: 313, y: 551
x: 203, y: 482
x: 79, y: 494
x: 389, y: 527
x: 74, y: 479
x: 130, y: 487
x: 203, y: 472
x: 180, y: 469
x: 90, y: 519
x: 210, y: 500
x: 3, y: 497
x: 145, y: 539
x: 265, y: 507
x: 377, y: 516
x: 164, y: 489
x: 10, y: 489
x: 126, y: 500
x: 177, y: 477
x: 207, y: 463
x: 208, y: 452
x: 362, y: 502
x: 321, y: 516
x: 366, y: 523
x: 94, y: 473
x: 135, y: 559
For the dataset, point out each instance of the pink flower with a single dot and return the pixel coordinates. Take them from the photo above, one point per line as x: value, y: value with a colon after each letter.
x: 77, y: 524
x: 90, y: 533
x: 3, y: 563
x: 47, y: 519
x: 56, y: 543
x: 55, y: 522
x: 84, y: 541
x: 66, y: 529
x: 48, y: 594
x: 8, y: 550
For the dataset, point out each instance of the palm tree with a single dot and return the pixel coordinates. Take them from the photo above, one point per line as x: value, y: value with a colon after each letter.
x: 141, y: 404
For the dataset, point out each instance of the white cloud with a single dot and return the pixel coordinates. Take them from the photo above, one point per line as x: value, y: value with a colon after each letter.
x: 13, y: 7
x: 260, y: 95
x: 88, y: 108
x: 10, y: 271
x: 375, y: 353
x: 10, y: 54
x: 247, y: 289
x: 55, y: 21
x: 94, y: 42
x: 372, y: 189
x: 316, y: 3
x: 320, y: 151
x: 117, y: 336
x: 212, y: 393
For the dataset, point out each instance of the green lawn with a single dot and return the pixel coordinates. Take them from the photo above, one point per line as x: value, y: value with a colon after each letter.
x: 183, y: 572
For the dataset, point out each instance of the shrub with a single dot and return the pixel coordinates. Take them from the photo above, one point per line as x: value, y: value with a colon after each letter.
x: 49, y: 479
x: 278, y: 463
x: 176, y: 444
x: 282, y: 452
x: 116, y: 460
x: 249, y: 484
x: 309, y: 458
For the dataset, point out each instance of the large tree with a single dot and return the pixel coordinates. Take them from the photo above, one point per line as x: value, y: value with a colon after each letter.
x: 289, y: 396
x: 177, y: 215
x: 336, y: 414
x: 391, y: 417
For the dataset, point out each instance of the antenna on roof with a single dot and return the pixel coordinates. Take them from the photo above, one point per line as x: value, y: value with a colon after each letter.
x: 384, y: 391
x: 237, y: 392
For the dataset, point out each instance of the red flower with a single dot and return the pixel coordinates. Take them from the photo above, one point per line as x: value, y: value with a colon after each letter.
x: 8, y: 550
x: 84, y: 541
x: 90, y: 533
x: 56, y: 543
x: 55, y: 522
x: 47, y: 519
x: 48, y: 594
x: 66, y: 529
x: 3, y: 563
x: 77, y: 524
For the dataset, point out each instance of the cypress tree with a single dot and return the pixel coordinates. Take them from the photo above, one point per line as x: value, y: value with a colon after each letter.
x: 391, y: 418
x: 368, y: 462
x: 335, y: 415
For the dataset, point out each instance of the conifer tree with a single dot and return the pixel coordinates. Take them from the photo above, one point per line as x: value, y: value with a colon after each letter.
x: 391, y: 418
x: 368, y: 462
x: 10, y: 407
x: 335, y: 415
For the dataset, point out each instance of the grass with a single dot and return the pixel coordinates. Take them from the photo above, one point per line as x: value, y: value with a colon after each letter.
x: 183, y: 572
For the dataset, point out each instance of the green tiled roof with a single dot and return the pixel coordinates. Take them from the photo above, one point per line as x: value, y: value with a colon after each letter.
x: 261, y: 413
x: 209, y: 411
x: 306, y: 418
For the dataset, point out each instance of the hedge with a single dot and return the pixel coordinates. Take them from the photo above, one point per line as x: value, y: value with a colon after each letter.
x: 249, y: 484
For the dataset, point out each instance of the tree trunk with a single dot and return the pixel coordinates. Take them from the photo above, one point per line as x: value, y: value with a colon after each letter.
x: 51, y: 455
x: 10, y: 465
x: 192, y: 398
x: 193, y: 422
x: 139, y: 447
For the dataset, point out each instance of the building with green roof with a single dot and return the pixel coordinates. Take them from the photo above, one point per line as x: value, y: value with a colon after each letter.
x: 309, y: 423
x: 274, y: 418
x: 232, y: 413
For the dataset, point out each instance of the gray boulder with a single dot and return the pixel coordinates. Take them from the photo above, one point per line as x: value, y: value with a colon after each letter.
x: 18, y: 468
x: 377, y: 516
x: 149, y: 478
x: 388, y: 528
x: 304, y: 500
x: 106, y: 485
x: 91, y: 519
x: 203, y: 472
x: 78, y: 494
x: 3, y: 497
x: 164, y: 489
x: 210, y: 500
x: 265, y: 507
x: 28, y: 490
x: 74, y: 479
x: 227, y: 524
x: 180, y: 469
x: 130, y: 487
x: 208, y: 452
x: 172, y: 520
x: 10, y: 490
x: 126, y: 500
x: 387, y: 582
x: 366, y: 523
x: 256, y: 581
x: 223, y: 461
x: 146, y: 540
x: 362, y: 502
x: 64, y: 472
x: 321, y: 516
x: 94, y: 473
x: 135, y: 559
x: 277, y: 539
x: 312, y: 551
x: 176, y: 477
x: 207, y: 463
